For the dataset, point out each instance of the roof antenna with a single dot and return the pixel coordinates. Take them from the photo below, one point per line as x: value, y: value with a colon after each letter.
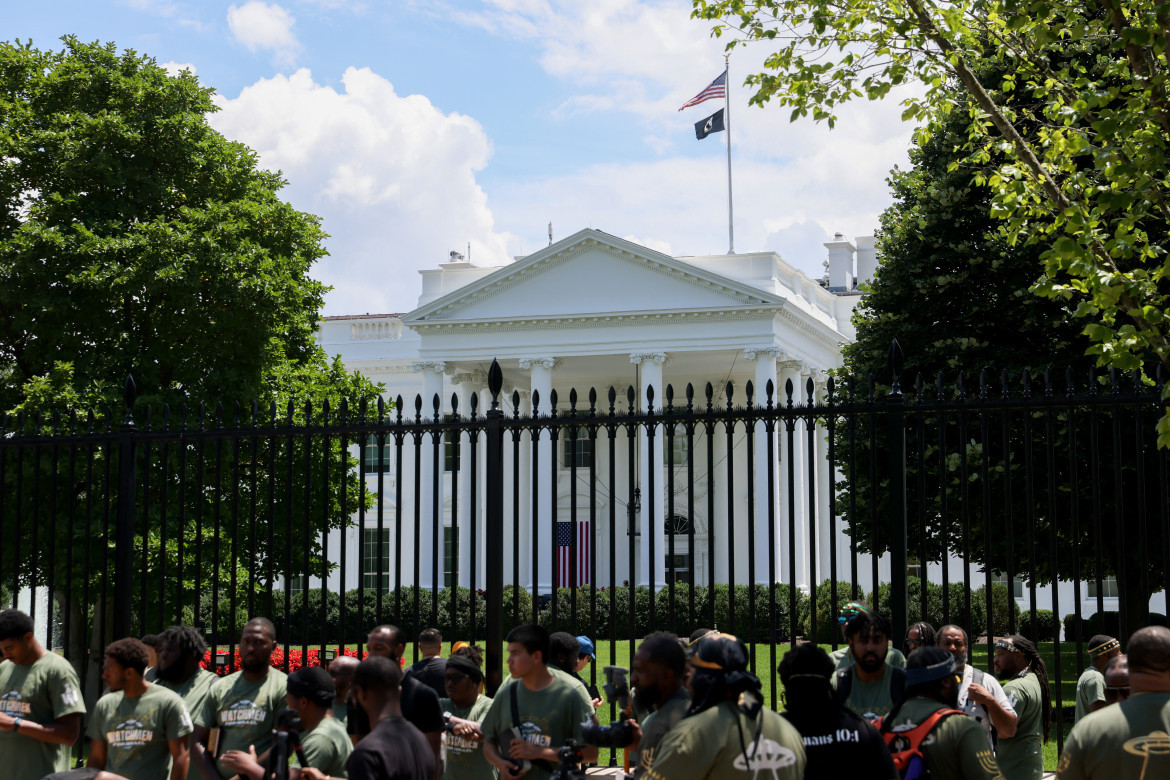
x: 550, y: 233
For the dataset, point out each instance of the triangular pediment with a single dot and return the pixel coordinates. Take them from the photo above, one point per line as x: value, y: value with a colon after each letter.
x: 593, y: 273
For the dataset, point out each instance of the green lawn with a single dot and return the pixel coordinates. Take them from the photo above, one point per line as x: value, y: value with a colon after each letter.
x: 765, y: 668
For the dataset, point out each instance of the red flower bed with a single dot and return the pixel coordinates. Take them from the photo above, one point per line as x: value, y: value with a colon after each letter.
x: 222, y: 663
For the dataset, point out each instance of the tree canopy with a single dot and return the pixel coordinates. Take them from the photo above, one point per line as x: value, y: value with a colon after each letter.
x: 1079, y: 169
x: 134, y: 238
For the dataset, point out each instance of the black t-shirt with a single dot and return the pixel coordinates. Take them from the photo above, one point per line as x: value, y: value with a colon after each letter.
x: 432, y: 673
x: 394, y: 750
x: 839, y: 743
x: 420, y: 706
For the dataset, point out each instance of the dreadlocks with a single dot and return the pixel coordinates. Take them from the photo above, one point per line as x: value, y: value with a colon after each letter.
x: 187, y: 639
x: 1036, y: 666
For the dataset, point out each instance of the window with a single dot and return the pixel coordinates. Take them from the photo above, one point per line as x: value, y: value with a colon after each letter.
x: 296, y: 585
x: 914, y: 569
x: 371, y: 453
x: 999, y: 578
x: 676, y: 447
x: 1108, y: 588
x: 450, y: 556
x: 576, y: 452
x: 451, y: 442
x: 679, y: 566
x: 375, y: 560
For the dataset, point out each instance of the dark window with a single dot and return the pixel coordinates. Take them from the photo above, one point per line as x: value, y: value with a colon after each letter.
x: 451, y: 442
x: 576, y: 452
x: 450, y: 556
x: 374, y: 561
x: 371, y: 453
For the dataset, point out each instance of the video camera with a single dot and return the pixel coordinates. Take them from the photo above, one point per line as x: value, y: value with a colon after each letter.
x: 620, y: 733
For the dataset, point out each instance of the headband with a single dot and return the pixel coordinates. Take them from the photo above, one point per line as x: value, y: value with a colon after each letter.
x: 720, y: 652
x: 1007, y: 644
x: 1103, y: 648
x: 465, y: 665
x: 924, y: 674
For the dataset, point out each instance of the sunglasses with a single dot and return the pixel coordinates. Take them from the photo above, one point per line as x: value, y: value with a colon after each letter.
x: 454, y: 678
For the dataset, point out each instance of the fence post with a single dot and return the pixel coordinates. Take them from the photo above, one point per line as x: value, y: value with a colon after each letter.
x: 124, y: 533
x: 494, y: 510
x: 898, y: 541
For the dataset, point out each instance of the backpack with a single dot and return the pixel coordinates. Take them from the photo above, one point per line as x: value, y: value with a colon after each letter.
x: 906, y: 746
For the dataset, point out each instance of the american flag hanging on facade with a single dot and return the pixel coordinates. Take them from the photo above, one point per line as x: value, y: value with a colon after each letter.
x: 716, y: 89
x: 566, y: 551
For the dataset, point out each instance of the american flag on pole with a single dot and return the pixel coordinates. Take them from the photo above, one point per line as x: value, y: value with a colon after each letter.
x: 716, y: 89
x: 566, y: 552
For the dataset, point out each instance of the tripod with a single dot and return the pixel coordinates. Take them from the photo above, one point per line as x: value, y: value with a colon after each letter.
x: 288, y: 741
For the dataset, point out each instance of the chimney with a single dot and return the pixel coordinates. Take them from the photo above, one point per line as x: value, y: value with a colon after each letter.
x: 867, y: 260
x: 840, y: 264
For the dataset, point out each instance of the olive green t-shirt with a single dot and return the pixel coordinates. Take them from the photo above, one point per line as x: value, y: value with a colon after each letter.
x: 137, y: 731
x: 655, y: 727
x: 243, y: 711
x: 712, y: 744
x: 327, y: 747
x: 465, y: 759
x: 547, y: 718
x: 1090, y: 689
x: 192, y: 691
x: 843, y: 659
x: 955, y: 749
x: 576, y: 684
x: 340, y: 711
x: 1020, y: 757
x: 1124, y: 740
x: 870, y: 700
x: 41, y: 692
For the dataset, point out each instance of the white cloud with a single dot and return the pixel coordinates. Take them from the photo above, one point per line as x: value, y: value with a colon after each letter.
x: 393, y: 178
x: 175, y: 68
x: 261, y: 26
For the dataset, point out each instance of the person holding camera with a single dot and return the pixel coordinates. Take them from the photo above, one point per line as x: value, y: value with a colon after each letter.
x: 534, y: 715
x: 657, y: 675
x: 243, y: 705
x: 394, y: 749
x: 727, y: 731
x: 464, y: 708
x: 324, y: 743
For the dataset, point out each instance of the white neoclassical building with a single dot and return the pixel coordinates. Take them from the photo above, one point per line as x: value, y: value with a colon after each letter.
x: 589, y: 312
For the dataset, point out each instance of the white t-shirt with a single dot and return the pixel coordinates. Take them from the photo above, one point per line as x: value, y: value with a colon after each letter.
x: 977, y: 710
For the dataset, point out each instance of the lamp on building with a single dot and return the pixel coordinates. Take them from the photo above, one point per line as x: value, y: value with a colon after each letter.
x: 634, y: 510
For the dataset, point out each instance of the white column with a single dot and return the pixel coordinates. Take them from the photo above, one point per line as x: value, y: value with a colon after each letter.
x: 653, y: 518
x: 466, y: 385
x: 765, y: 359
x: 432, y: 371
x: 512, y: 502
x: 796, y: 491
x: 824, y: 497
x: 541, y: 379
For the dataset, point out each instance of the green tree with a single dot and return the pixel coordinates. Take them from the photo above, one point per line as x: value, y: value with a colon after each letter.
x: 1078, y: 170
x: 135, y: 238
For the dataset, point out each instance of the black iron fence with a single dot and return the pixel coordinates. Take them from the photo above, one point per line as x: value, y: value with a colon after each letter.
x: 759, y: 511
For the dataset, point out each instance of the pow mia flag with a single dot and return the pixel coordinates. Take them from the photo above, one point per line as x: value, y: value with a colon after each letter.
x: 712, y: 124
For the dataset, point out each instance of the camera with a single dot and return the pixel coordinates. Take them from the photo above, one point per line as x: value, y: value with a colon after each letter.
x: 287, y: 719
x: 568, y: 762
x: 617, y: 686
x: 615, y: 735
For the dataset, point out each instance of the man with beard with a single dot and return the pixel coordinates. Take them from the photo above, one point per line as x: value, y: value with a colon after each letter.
x: 837, y: 741
x: 1116, y: 680
x: 980, y: 696
x: 657, y: 675
x: 1130, y: 739
x: 40, y: 703
x: 727, y: 732
x: 842, y: 657
x: 180, y: 651
x: 418, y: 703
x: 243, y: 705
x: 1025, y: 681
x: 955, y: 747
x: 395, y: 749
x: 871, y: 686
x: 1091, y: 684
x: 139, y: 731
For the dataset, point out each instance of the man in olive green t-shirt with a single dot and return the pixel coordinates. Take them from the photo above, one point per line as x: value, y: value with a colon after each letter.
x: 727, y: 733
x: 243, y: 705
x: 324, y: 742
x: 1091, y: 684
x: 1025, y: 682
x: 870, y: 686
x: 548, y: 711
x: 843, y: 657
x: 1132, y: 738
x: 180, y: 654
x: 956, y: 748
x: 139, y: 731
x: 658, y: 676
x: 40, y: 703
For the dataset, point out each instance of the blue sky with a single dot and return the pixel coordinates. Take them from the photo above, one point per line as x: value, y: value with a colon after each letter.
x: 414, y: 127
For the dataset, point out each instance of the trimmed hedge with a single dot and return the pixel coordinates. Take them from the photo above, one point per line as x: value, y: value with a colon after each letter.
x: 1104, y: 623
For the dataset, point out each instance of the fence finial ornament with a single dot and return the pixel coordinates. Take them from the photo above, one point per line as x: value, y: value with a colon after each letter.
x: 129, y: 396
x: 495, y: 383
x: 897, y: 360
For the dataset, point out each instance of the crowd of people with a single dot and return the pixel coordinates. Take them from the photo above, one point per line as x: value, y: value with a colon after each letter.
x: 693, y: 709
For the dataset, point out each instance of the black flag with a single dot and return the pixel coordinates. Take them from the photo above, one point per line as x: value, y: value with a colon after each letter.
x: 712, y: 124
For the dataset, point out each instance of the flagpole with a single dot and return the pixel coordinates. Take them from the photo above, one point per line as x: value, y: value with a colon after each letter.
x: 727, y: 116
